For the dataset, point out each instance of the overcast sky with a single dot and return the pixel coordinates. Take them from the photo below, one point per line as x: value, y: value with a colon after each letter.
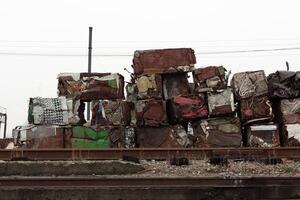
x: 59, y: 29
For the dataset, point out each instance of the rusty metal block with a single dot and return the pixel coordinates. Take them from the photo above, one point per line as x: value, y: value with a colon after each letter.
x: 291, y: 132
x: 45, y: 137
x: 162, y: 137
x: 111, y: 112
x: 163, y: 61
x: 175, y: 85
x: 249, y: 84
x: 181, y: 109
x: 209, y: 78
x: 220, y: 102
x: 263, y: 135
x: 149, y: 86
x: 91, y: 86
x: 151, y: 113
x: 287, y: 111
x: 217, y: 132
x: 284, y: 84
x: 256, y: 109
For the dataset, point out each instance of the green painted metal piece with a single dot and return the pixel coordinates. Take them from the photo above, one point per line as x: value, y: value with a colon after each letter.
x: 84, y: 143
x: 88, y: 133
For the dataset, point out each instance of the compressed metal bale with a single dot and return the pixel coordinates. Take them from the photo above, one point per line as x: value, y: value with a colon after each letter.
x: 249, y: 84
x: 256, y: 109
x: 217, y: 132
x: 221, y: 102
x: 181, y: 109
x: 111, y: 112
x: 149, y: 86
x: 43, y: 137
x: 91, y: 86
x: 287, y: 111
x: 49, y: 111
x: 151, y: 112
x: 284, y: 84
x: 163, y: 61
x: 291, y: 134
x: 263, y: 135
x: 209, y: 78
x: 162, y: 137
x: 175, y: 85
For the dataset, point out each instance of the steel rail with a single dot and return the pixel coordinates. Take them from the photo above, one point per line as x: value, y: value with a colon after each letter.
x: 194, y: 182
x: 151, y: 153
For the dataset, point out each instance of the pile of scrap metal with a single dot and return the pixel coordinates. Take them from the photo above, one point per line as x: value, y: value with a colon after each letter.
x: 60, y: 122
x: 284, y: 91
x: 163, y: 109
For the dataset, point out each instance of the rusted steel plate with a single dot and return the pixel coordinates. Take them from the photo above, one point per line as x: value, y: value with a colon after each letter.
x: 248, y: 181
x: 163, y: 61
x: 91, y: 86
x: 151, y: 153
x: 249, y: 84
x: 284, y: 84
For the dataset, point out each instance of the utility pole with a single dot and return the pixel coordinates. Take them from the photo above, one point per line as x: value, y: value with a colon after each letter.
x: 89, y: 66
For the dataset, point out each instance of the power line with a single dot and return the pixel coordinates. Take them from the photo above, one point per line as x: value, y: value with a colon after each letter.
x: 125, y: 55
x: 150, y: 41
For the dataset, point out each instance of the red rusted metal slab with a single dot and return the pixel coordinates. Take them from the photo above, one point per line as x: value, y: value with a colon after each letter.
x: 182, y: 108
x: 151, y: 112
x: 163, y: 61
x: 209, y: 78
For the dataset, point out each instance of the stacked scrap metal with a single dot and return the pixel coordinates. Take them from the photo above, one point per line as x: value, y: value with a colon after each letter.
x: 255, y: 109
x: 222, y: 129
x: 162, y: 109
x: 110, y: 114
x: 162, y: 97
x: 284, y: 89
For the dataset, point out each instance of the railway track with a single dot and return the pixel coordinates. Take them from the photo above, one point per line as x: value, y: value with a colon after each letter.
x: 176, y: 188
x: 145, y: 182
x: 151, y: 153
